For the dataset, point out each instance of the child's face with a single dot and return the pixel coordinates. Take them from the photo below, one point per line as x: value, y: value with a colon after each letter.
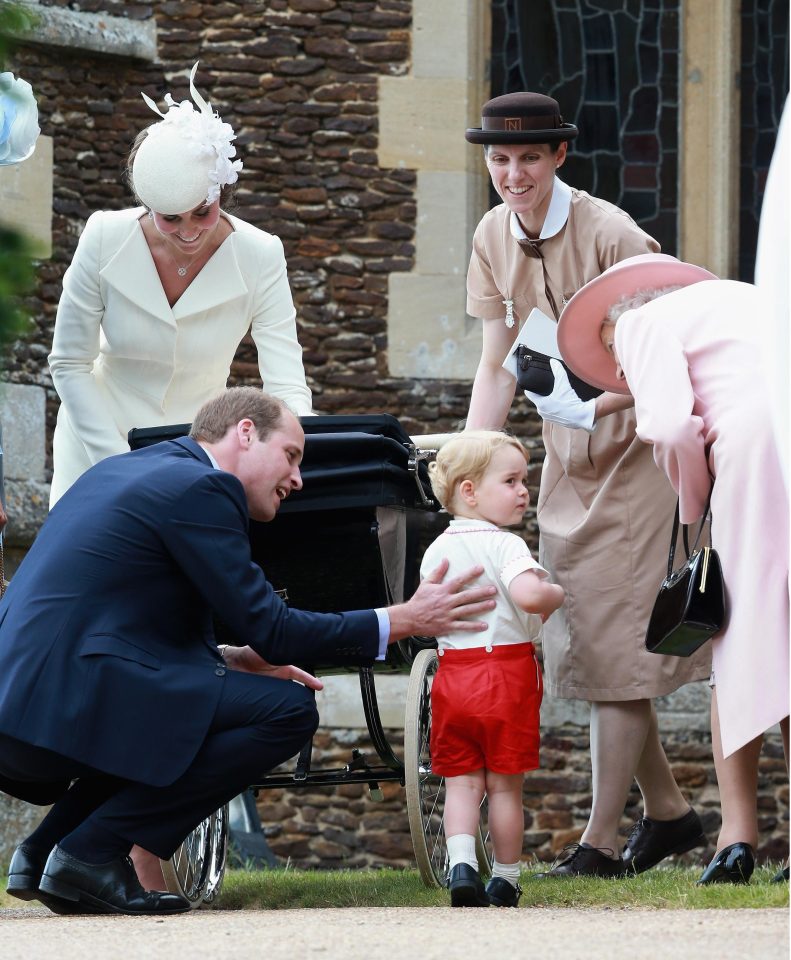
x: 500, y: 496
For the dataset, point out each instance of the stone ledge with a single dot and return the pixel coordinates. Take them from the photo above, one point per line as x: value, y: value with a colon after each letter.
x: 429, y: 332
x: 17, y: 820
x: 27, y: 502
x: 92, y: 32
x: 23, y: 410
x: 340, y: 707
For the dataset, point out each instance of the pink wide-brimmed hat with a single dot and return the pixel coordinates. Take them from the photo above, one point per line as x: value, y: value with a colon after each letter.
x: 580, y: 322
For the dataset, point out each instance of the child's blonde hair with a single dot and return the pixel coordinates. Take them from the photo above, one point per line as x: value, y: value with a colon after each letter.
x: 467, y: 457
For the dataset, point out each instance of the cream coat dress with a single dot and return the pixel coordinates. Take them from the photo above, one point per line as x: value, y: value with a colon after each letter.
x: 702, y: 399
x: 122, y: 357
x: 604, y: 509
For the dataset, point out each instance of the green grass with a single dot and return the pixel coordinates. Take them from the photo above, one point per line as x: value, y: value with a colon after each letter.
x: 671, y: 889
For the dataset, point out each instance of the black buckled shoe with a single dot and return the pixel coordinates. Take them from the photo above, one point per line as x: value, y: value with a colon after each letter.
x: 24, y: 876
x: 501, y: 893
x: 466, y: 888
x: 105, y: 887
x: 650, y: 840
x: 733, y: 864
x: 585, y: 861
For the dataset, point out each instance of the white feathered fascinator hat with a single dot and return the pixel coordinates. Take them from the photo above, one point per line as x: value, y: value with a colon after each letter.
x: 186, y: 158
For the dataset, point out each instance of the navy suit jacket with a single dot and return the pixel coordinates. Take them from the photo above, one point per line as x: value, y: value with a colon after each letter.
x: 107, y: 649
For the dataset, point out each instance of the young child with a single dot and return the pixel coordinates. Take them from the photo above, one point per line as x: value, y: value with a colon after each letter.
x: 487, y: 692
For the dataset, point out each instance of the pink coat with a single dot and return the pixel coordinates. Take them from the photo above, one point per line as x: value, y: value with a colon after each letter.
x: 699, y: 387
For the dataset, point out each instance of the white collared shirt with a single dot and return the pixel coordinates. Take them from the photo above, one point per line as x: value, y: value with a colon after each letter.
x: 557, y: 214
x: 503, y: 556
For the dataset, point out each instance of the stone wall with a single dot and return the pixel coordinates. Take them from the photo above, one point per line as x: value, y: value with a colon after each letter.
x: 298, y: 80
x: 343, y: 827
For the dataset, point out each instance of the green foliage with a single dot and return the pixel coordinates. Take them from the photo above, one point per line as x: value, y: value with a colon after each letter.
x: 16, y: 255
x: 15, y: 21
x: 17, y: 278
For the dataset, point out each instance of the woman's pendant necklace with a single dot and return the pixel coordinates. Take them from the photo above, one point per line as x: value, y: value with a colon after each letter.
x: 181, y: 269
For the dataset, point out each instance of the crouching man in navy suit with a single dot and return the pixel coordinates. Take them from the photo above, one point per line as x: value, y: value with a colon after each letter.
x: 116, y: 704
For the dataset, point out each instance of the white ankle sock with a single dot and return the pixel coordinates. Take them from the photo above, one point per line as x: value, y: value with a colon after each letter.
x: 461, y: 849
x: 508, y: 871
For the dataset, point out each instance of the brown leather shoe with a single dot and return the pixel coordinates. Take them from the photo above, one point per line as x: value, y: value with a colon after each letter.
x: 586, y: 861
x: 650, y: 840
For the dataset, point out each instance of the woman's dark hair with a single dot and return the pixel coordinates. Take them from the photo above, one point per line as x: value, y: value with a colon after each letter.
x: 227, y: 193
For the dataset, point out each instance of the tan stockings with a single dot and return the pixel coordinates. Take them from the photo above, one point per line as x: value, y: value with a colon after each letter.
x: 625, y: 745
x: 737, y: 778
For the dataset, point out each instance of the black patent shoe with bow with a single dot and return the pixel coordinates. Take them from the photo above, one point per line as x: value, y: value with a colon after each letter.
x: 733, y: 864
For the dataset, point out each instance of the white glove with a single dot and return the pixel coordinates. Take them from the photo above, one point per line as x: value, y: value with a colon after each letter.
x: 563, y: 406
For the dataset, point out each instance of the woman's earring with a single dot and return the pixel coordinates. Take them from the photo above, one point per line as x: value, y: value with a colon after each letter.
x: 150, y: 214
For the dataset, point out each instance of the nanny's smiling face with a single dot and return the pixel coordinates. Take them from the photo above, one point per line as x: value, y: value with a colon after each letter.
x: 523, y: 175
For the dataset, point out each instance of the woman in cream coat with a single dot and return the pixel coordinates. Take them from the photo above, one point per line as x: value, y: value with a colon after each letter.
x: 157, y: 298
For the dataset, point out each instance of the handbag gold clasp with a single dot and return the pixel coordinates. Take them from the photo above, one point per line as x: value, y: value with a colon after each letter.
x: 702, y: 587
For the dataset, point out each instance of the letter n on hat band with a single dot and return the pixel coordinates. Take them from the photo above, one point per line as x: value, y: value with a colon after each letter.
x: 545, y: 122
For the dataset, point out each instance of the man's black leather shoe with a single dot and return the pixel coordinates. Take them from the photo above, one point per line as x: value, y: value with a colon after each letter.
x: 24, y: 876
x: 501, y: 893
x: 781, y: 876
x: 585, y: 861
x: 105, y: 887
x: 466, y: 888
x: 733, y: 864
x: 650, y: 840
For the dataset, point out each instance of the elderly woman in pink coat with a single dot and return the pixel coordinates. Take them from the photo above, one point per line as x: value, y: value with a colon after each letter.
x: 679, y: 340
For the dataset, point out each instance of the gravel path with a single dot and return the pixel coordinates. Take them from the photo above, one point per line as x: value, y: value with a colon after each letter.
x: 402, y: 934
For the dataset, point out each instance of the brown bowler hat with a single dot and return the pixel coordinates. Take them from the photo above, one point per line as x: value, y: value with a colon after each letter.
x: 521, y: 118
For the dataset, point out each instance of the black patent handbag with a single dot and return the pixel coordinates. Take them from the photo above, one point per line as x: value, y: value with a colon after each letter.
x: 690, y: 606
x: 534, y: 373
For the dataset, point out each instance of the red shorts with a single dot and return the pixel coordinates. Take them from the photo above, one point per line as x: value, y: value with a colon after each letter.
x: 485, y: 710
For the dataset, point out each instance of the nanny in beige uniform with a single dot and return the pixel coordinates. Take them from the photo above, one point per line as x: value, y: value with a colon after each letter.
x: 604, y: 509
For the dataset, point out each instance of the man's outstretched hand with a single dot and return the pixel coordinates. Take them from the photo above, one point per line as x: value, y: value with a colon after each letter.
x: 440, y: 606
x: 248, y: 661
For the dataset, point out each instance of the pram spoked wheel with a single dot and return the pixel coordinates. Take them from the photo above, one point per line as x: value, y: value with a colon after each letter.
x: 425, y: 791
x: 196, y: 869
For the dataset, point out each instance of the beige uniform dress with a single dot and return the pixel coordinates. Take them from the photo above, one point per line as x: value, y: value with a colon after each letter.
x: 604, y: 509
